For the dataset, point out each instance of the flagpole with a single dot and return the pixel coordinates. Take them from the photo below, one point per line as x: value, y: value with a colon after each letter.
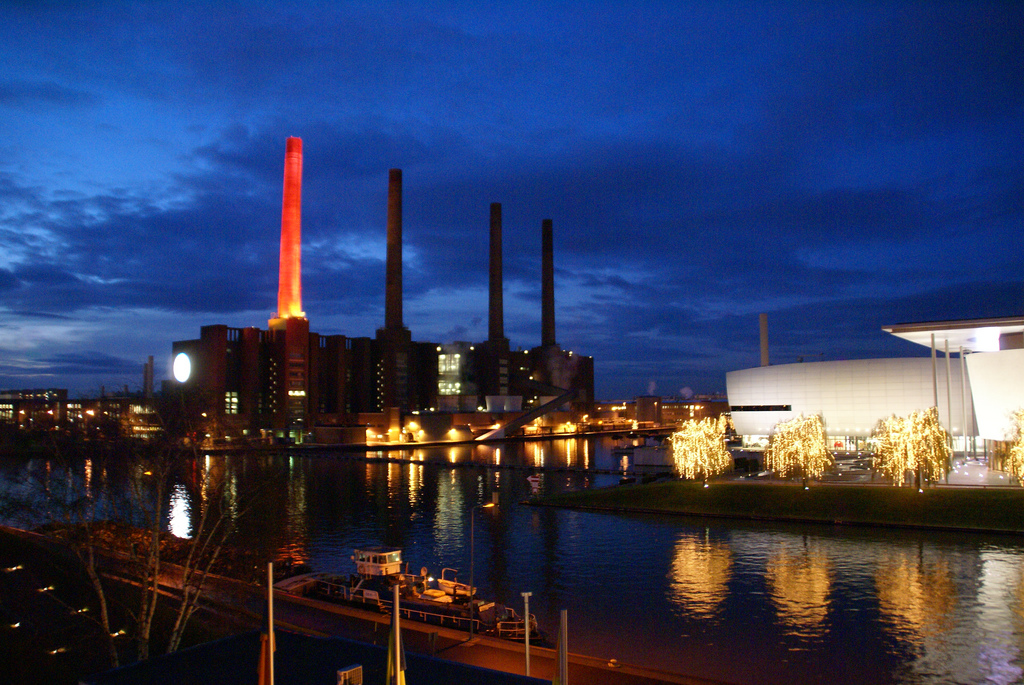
x: 563, y: 649
x: 271, y: 646
x: 526, y: 617
x: 398, y: 633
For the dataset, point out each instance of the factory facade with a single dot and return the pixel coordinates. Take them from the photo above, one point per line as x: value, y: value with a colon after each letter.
x: 290, y: 381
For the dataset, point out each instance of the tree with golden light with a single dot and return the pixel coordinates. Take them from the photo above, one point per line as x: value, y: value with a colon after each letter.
x: 698, y: 448
x: 799, y: 447
x: 917, y: 443
x: 1015, y: 456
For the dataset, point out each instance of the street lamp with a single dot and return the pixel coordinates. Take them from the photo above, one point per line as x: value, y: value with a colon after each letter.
x: 472, y: 560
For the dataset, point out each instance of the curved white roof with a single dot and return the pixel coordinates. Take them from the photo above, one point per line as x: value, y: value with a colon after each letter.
x: 974, y: 335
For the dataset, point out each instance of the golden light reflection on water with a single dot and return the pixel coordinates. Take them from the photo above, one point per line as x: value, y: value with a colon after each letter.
x: 449, y: 532
x: 415, y: 483
x: 294, y: 546
x: 1018, y: 598
x: 394, y: 479
x: 700, y: 572
x: 799, y: 581
x: 916, y: 594
x: 369, y: 480
x: 538, y: 455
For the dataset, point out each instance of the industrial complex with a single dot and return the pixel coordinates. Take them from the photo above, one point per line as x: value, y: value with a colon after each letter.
x: 286, y: 382
x: 292, y: 383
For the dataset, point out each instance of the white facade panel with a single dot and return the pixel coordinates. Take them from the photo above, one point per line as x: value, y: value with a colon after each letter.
x: 997, y: 381
x: 851, y: 396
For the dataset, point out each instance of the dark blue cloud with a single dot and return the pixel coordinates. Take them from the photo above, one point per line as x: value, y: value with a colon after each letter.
x: 28, y: 93
x: 839, y: 166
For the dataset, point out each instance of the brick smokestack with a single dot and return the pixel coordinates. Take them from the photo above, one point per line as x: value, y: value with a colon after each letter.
x: 289, y: 289
x: 547, y: 285
x: 393, y: 280
x: 496, y: 322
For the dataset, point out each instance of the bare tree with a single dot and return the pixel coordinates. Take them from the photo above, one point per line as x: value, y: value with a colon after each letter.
x: 81, y: 511
x: 58, y: 494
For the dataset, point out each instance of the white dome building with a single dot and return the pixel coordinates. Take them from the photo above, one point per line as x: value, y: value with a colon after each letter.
x: 853, y: 396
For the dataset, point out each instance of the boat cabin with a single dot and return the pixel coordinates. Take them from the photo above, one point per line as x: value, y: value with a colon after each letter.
x: 378, y: 561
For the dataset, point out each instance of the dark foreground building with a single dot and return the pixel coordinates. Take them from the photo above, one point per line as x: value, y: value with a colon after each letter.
x: 299, y: 660
x: 287, y: 380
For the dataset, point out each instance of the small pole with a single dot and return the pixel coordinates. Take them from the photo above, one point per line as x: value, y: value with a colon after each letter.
x: 398, y: 633
x: 271, y: 645
x: 472, y: 560
x: 563, y: 653
x: 526, y: 616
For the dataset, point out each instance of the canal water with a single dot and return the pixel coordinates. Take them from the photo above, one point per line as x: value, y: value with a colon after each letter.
x: 733, y: 601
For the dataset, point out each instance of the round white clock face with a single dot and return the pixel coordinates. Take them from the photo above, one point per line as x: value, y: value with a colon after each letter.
x: 182, y: 367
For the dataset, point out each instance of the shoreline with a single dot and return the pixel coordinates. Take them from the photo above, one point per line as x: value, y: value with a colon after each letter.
x: 998, y: 511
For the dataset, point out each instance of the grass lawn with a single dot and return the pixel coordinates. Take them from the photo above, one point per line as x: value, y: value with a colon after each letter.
x: 937, y: 507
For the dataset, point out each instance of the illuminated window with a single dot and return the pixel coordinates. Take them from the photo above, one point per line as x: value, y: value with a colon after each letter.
x: 231, y: 403
x: 449, y: 363
x: 449, y: 387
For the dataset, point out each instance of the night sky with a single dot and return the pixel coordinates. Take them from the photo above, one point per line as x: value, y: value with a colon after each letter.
x: 838, y: 166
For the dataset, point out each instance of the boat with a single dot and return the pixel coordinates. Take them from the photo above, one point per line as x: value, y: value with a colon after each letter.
x: 442, y: 601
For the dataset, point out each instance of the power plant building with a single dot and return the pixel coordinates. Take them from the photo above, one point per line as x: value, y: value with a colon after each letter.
x: 288, y: 380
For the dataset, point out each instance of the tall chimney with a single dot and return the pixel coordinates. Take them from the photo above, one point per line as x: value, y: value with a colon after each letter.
x: 289, y: 289
x: 547, y: 285
x: 764, y: 339
x: 393, y: 279
x: 496, y: 324
x: 147, y: 378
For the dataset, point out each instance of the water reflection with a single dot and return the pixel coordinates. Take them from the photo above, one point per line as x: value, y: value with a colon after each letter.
x: 294, y: 544
x: 415, y: 484
x: 700, y: 572
x: 1001, y: 618
x: 727, y: 600
x: 799, y: 582
x: 916, y: 593
x: 179, y: 512
x: 449, y: 532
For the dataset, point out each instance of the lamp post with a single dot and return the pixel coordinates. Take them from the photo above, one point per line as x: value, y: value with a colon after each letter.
x: 472, y: 562
x: 526, y: 618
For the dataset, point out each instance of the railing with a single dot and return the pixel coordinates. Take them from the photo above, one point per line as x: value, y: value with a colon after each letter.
x: 514, y: 629
x: 337, y: 591
x: 442, y: 620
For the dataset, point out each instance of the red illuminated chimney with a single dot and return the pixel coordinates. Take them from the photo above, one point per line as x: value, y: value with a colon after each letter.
x: 289, y: 292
